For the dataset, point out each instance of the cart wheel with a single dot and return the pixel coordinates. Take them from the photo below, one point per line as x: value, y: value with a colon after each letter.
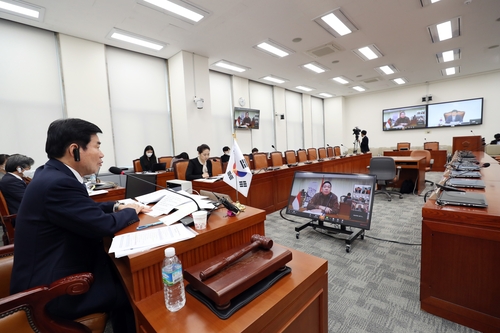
x: 362, y: 236
x: 348, y: 248
x: 297, y: 235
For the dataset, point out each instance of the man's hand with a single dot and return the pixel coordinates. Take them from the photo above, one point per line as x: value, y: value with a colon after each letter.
x: 139, y: 208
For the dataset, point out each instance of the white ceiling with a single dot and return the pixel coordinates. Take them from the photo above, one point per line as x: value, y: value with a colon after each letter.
x: 397, y: 27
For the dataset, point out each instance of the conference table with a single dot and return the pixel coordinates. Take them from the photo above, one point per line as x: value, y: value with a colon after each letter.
x: 270, y: 189
x: 439, y: 156
x: 298, y: 302
x: 460, y: 260
x: 412, y: 168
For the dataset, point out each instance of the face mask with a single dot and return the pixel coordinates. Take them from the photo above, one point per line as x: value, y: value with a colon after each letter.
x: 149, y: 154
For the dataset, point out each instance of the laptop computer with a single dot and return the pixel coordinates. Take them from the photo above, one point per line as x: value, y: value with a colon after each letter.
x: 211, y: 196
x: 467, y: 183
x: 465, y: 174
x: 470, y: 199
x: 159, y: 167
x: 468, y: 166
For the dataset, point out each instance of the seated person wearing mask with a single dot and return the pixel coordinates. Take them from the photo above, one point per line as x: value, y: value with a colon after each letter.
x: 325, y: 200
x: 12, y: 184
x: 148, y: 159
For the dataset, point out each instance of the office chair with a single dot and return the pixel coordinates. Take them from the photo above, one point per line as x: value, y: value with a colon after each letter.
x: 216, y: 166
x: 384, y: 168
x: 6, y: 220
x: 301, y: 155
x: 403, y: 146
x: 260, y: 161
x: 137, y: 165
x: 431, y: 145
x: 429, y: 162
x: 322, y: 153
x: 166, y: 159
x: 312, y: 155
x: 276, y: 159
x: 329, y: 151
x: 25, y: 312
x: 247, y: 159
x: 337, y: 151
x: 180, y: 168
x: 290, y: 157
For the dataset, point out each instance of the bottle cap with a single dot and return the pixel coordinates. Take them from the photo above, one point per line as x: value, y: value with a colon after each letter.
x: 169, y: 252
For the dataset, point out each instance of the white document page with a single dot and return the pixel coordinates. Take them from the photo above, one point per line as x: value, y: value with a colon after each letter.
x: 152, y: 197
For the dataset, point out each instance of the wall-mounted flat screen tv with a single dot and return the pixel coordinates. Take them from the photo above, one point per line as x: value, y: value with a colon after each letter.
x: 409, y: 117
x: 455, y: 113
x: 246, y: 118
x: 341, y: 198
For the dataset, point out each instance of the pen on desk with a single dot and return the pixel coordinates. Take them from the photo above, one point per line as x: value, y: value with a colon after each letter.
x: 149, y: 225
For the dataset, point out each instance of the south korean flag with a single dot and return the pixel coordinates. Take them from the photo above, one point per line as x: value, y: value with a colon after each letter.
x: 238, y: 174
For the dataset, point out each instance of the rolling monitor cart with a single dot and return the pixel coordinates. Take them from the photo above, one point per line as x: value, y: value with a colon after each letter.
x: 139, y: 184
x: 334, y: 211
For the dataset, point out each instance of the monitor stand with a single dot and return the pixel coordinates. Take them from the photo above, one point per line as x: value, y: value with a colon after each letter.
x: 315, y: 223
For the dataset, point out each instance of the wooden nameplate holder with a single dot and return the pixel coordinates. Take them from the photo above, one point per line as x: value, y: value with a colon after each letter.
x: 238, y: 276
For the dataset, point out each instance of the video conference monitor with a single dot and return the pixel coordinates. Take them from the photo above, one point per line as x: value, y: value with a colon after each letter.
x: 139, y: 184
x: 348, y: 200
x: 409, y: 117
x: 456, y: 113
x: 246, y: 118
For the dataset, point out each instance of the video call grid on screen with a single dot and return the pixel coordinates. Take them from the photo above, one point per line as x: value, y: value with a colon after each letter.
x: 355, y: 212
x: 471, y: 109
x: 417, y: 115
x: 246, y: 118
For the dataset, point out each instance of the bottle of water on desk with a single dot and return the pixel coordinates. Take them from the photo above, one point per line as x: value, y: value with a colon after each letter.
x: 173, y: 281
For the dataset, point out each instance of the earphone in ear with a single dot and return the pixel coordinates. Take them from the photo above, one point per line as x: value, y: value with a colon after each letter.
x: 19, y: 170
x: 76, y: 154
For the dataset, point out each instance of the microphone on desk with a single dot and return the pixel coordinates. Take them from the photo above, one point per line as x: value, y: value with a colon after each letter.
x: 227, y: 204
x: 273, y: 147
x: 118, y: 171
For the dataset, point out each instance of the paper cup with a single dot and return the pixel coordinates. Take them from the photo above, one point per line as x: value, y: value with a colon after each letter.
x: 200, y: 219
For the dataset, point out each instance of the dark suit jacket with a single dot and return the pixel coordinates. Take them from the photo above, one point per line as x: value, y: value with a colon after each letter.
x: 195, y: 169
x: 13, y: 190
x: 457, y: 118
x: 225, y: 158
x: 59, y: 231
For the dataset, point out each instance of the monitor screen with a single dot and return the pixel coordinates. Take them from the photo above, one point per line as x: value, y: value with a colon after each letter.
x: 342, y: 198
x: 409, y: 117
x: 456, y: 113
x: 246, y: 118
x: 139, y: 184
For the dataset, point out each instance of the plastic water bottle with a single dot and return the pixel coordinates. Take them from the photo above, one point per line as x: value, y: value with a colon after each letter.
x: 173, y: 282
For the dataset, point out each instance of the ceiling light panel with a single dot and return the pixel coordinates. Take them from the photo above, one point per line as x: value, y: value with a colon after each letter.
x: 275, y: 79
x: 447, y: 56
x: 271, y: 47
x: 315, y: 67
x: 400, y: 80
x: 341, y: 79
x: 445, y: 30
x: 336, y: 23
x: 304, y: 88
x: 231, y: 66
x: 386, y: 69
x: 326, y: 95
x: 369, y: 52
x: 22, y: 9
x: 177, y: 8
x: 450, y: 71
x: 428, y: 2
x: 129, y: 37
x: 359, y: 88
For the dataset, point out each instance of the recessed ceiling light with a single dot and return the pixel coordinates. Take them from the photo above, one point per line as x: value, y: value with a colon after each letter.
x: 231, y: 66
x: 341, y: 79
x: 445, y: 30
x: 427, y: 2
x: 132, y: 38
x: 369, y: 52
x: 22, y: 9
x: 386, y: 69
x: 179, y: 8
x: 358, y: 88
x: 336, y: 23
x: 399, y: 80
x: 327, y: 95
x: 304, y: 88
x: 448, y: 55
x: 450, y: 71
x: 273, y: 48
x: 274, y: 79
x: 315, y: 67
x: 296, y: 40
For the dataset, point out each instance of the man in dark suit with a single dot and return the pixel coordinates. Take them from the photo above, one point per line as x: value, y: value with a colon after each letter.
x: 59, y: 228
x: 227, y: 154
x: 454, y: 117
x: 12, y: 184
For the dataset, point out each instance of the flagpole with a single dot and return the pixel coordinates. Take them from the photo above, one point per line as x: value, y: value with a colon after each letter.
x: 236, y: 174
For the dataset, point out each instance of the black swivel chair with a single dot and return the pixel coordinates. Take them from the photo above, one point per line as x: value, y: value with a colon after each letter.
x: 386, y: 171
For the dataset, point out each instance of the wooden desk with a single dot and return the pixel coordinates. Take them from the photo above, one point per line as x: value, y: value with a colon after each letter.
x: 460, y: 264
x: 270, y: 190
x: 113, y: 194
x: 439, y: 156
x: 471, y: 142
x: 298, y: 302
x: 411, y: 168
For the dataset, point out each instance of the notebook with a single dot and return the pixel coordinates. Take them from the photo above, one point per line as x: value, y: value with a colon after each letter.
x: 463, y: 182
x: 470, y: 199
x: 465, y: 174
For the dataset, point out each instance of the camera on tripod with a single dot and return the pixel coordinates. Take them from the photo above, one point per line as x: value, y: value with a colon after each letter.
x: 356, y: 131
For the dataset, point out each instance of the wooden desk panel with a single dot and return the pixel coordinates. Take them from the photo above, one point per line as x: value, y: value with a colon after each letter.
x: 460, y: 259
x: 411, y: 168
x: 296, y: 303
x: 114, y: 194
x: 439, y: 156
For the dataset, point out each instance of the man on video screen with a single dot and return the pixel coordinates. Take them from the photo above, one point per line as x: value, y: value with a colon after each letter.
x: 325, y: 200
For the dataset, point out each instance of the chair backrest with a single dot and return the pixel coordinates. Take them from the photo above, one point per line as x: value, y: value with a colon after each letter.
x: 322, y: 152
x: 247, y: 159
x: 290, y: 157
x: 301, y: 155
x: 337, y: 151
x: 312, y: 154
x: 403, y: 146
x: 432, y: 145
x: 216, y: 166
x: 425, y: 153
x: 329, y: 151
x: 137, y: 165
x: 276, y: 158
x: 180, y: 168
x: 6, y: 220
x: 383, y: 167
x: 6, y: 262
x: 260, y: 161
x: 4, y: 209
x: 166, y: 159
